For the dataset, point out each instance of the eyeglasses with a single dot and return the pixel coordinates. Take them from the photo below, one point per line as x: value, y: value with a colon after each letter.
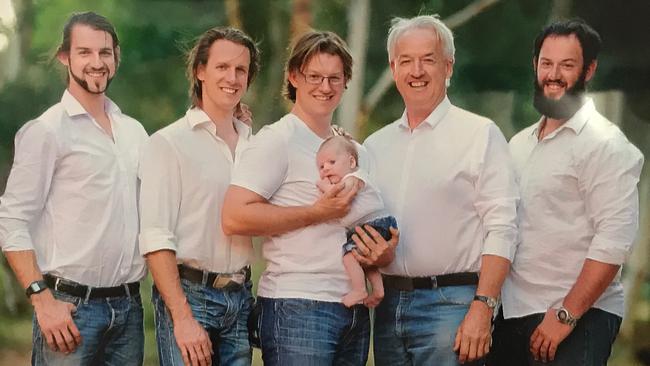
x: 316, y: 79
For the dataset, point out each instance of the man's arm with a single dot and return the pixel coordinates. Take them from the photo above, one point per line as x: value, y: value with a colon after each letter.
x: 496, y: 204
x: 191, y: 338
x: 247, y: 213
x: 608, y: 181
x: 474, y: 333
x: 53, y: 316
x: 26, y: 193
x: 593, y: 280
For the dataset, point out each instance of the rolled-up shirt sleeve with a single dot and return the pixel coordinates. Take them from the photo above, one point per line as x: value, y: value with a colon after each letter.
x: 36, y: 153
x: 609, y: 186
x: 160, y: 195
x: 497, y: 196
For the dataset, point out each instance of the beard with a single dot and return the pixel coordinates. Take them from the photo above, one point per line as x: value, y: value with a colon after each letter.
x: 84, y: 84
x: 564, y: 107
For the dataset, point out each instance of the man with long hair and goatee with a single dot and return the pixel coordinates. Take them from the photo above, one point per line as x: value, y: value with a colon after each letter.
x: 69, y: 218
x: 578, y: 174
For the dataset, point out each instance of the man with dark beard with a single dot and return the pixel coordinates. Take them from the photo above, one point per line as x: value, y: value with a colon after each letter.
x: 578, y: 174
x: 69, y: 218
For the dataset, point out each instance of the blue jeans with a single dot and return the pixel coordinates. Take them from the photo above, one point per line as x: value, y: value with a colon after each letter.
x: 589, y: 343
x: 111, y: 333
x: 419, y: 327
x: 305, y: 332
x: 223, y: 314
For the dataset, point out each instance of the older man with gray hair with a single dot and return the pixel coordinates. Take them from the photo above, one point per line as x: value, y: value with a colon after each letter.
x: 446, y: 175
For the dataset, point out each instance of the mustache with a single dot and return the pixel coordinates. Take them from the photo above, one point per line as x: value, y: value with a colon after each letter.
x: 556, y: 82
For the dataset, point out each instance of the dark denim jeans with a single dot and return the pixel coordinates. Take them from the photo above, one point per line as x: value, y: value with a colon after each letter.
x: 111, y: 333
x: 223, y: 314
x: 301, y: 332
x: 419, y: 327
x: 589, y: 344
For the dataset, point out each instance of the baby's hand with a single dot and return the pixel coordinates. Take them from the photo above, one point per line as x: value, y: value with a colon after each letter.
x: 324, y: 185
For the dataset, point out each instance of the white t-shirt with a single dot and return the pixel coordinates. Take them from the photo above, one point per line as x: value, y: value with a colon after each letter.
x: 279, y: 164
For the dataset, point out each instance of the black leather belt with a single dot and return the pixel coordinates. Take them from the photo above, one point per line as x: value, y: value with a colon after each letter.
x: 224, y: 281
x: 76, y: 289
x: 414, y: 283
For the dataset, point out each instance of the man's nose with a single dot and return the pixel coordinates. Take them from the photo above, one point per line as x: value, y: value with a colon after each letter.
x: 416, y: 69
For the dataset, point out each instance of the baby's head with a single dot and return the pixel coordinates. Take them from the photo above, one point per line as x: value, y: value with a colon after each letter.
x: 336, y: 157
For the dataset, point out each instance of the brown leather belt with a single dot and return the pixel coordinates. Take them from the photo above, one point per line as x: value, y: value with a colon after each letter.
x: 224, y: 281
x: 414, y: 283
x: 76, y: 289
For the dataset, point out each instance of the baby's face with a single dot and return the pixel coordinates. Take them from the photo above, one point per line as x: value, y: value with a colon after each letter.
x: 334, y: 163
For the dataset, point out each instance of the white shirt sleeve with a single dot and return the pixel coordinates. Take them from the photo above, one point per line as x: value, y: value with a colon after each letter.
x: 263, y: 164
x: 609, y: 184
x: 497, y: 196
x: 28, y: 185
x: 160, y: 195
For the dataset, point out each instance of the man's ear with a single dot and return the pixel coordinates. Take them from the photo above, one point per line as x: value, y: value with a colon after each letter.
x: 293, y: 79
x: 118, y: 53
x: 200, y: 72
x: 591, y: 70
x: 64, y: 58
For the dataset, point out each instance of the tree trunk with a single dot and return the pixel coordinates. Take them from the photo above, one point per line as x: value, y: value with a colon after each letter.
x: 301, y: 17
x: 233, y: 14
x: 358, y: 22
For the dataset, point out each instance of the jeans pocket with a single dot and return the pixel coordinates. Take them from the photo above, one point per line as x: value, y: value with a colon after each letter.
x: 62, y: 296
x: 457, y: 295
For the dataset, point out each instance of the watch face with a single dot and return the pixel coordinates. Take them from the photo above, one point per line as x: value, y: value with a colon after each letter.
x: 562, y: 315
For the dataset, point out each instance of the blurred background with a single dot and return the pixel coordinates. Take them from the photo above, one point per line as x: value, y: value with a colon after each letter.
x: 492, y: 76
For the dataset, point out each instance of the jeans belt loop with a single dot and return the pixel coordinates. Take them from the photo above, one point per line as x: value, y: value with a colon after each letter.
x: 56, y: 283
x: 88, y: 291
x: 204, y: 280
x: 434, y: 282
x: 126, y: 289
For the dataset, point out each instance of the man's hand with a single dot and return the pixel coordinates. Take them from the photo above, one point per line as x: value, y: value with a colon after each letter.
x: 335, y: 203
x: 244, y: 114
x: 547, y: 337
x: 473, y: 337
x: 55, y: 320
x: 373, y: 249
x: 192, y: 340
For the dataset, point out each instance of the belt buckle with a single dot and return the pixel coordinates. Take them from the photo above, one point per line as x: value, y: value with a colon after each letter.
x: 434, y: 281
x: 222, y: 281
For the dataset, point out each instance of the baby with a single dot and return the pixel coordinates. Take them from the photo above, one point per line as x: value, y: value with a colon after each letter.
x: 337, y: 160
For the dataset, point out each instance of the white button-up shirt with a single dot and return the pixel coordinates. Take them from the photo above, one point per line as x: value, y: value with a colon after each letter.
x: 185, y: 172
x: 579, y: 200
x: 449, y: 183
x: 72, y: 195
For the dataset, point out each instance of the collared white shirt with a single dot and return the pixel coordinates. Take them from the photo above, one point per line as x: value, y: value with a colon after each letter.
x: 185, y: 171
x: 450, y: 185
x: 279, y: 164
x: 579, y: 200
x: 72, y: 195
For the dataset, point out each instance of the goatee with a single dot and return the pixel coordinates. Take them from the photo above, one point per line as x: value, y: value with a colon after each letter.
x: 84, y: 84
x: 566, y: 106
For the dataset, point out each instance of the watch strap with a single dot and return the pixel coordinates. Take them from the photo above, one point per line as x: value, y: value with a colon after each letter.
x: 491, y: 302
x: 35, y: 287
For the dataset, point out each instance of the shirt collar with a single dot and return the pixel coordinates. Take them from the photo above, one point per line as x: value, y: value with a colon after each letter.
x: 577, y: 122
x: 432, y: 119
x: 197, y: 116
x: 74, y: 108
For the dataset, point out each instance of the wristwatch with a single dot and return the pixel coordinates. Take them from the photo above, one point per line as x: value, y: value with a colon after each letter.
x: 491, y: 302
x: 564, y: 316
x: 35, y: 287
